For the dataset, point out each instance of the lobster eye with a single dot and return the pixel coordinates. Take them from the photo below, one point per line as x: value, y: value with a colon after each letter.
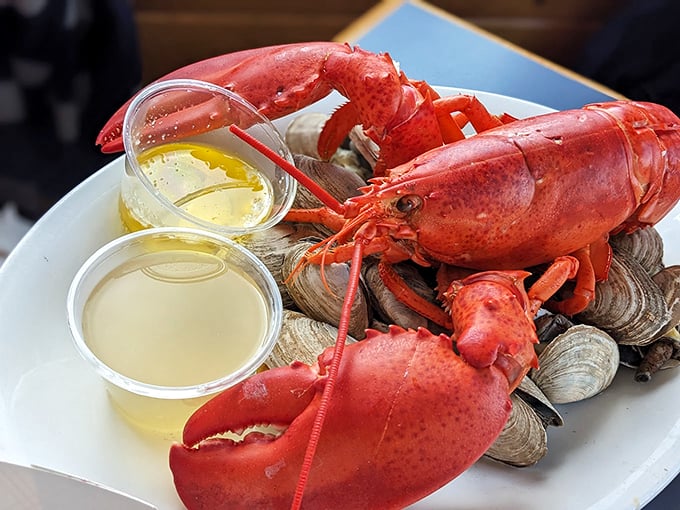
x: 409, y: 203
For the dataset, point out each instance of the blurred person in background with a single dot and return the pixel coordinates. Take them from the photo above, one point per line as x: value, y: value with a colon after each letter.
x: 65, y: 67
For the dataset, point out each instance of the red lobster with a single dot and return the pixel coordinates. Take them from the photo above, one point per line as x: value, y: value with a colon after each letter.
x: 386, y: 421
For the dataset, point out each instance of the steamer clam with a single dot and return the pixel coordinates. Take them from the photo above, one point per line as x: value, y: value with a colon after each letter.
x: 645, y: 245
x: 577, y: 364
x: 301, y: 339
x: 524, y: 439
x: 272, y: 245
x: 629, y: 306
x: 319, y: 291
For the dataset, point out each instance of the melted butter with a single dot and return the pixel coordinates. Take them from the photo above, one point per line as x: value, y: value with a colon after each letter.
x: 207, y: 183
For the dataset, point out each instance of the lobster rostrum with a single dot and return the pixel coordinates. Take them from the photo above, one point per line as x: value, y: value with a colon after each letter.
x: 388, y: 420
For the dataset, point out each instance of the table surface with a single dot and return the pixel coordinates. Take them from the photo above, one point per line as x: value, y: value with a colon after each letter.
x: 450, y: 51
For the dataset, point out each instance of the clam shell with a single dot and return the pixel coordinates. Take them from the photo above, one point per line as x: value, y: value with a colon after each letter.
x: 668, y: 280
x: 629, y: 305
x: 386, y: 304
x: 302, y: 134
x: 323, y: 301
x: 364, y: 145
x: 645, y: 245
x: 532, y: 395
x: 301, y: 339
x: 523, y: 440
x: 576, y: 365
x: 302, y: 137
x: 340, y: 182
x: 272, y: 245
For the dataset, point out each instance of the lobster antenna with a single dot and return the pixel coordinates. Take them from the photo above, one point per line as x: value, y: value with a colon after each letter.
x: 326, y: 198
x: 343, y: 328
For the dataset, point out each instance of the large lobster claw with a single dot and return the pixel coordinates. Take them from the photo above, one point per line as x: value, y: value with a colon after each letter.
x: 393, y: 420
x: 397, y: 114
x: 408, y: 415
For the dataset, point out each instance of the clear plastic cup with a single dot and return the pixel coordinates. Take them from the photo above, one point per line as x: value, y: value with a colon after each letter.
x: 183, y: 167
x: 169, y: 317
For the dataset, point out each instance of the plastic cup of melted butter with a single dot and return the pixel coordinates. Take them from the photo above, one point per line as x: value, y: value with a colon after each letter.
x: 183, y: 167
x: 168, y: 317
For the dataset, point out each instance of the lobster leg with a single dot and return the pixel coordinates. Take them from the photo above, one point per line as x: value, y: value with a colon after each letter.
x: 475, y: 112
x: 587, y: 265
x: 584, y: 290
x: 410, y: 298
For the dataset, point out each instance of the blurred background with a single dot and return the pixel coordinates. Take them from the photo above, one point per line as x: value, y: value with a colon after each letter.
x: 67, y: 65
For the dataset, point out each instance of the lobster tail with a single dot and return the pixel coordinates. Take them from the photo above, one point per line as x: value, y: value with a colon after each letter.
x: 652, y: 133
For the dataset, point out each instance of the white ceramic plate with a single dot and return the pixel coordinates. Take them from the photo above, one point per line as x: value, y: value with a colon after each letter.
x: 31, y: 488
x: 616, y: 451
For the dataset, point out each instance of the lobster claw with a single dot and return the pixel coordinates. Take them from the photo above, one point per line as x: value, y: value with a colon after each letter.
x: 405, y: 405
x: 396, y: 113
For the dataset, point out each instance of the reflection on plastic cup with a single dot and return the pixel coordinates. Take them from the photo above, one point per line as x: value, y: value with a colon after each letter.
x: 170, y: 316
x: 183, y: 167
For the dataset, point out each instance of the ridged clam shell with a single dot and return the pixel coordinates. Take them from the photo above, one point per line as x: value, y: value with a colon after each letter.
x: 645, y: 245
x: 523, y: 440
x: 315, y: 299
x: 532, y: 395
x: 340, y: 182
x: 668, y: 280
x: 386, y: 303
x: 576, y: 365
x: 302, y: 134
x: 628, y: 305
x: 271, y: 246
x: 301, y: 339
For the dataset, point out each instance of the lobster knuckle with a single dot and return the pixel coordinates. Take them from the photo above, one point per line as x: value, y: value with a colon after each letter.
x: 490, y: 325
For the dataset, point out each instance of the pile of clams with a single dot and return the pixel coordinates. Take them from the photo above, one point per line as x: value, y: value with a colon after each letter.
x: 632, y: 322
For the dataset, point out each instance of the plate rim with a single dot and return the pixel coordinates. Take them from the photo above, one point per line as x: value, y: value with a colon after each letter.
x: 663, y: 472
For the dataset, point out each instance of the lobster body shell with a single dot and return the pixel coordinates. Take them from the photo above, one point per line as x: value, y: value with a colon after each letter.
x: 527, y: 192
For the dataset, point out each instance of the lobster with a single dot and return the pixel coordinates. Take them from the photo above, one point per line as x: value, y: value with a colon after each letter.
x: 548, y: 190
